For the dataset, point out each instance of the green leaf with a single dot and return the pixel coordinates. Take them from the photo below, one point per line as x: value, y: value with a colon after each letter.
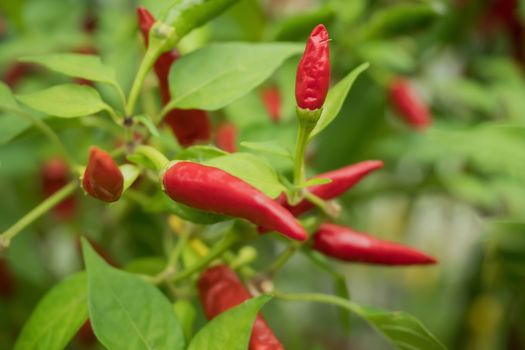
x: 57, y: 317
x: 271, y: 147
x: 7, y: 101
x: 87, y: 67
x: 11, y: 126
x: 186, y: 15
x: 335, y: 99
x: 219, y: 74
x: 404, y: 331
x: 200, y: 153
x: 67, y: 101
x: 130, y: 173
x: 300, y: 25
x: 252, y: 169
x: 314, y: 182
x: 230, y: 330
x: 125, y: 311
x: 186, y: 314
x: 148, y: 123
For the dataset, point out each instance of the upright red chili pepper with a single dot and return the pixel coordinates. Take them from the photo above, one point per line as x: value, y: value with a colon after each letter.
x: 408, y: 104
x: 6, y: 280
x: 219, y: 290
x: 226, y: 137
x: 342, y: 180
x: 189, y: 125
x: 102, y: 178
x: 55, y: 175
x: 214, y: 190
x: 313, y: 72
x: 272, y: 101
x: 348, y: 245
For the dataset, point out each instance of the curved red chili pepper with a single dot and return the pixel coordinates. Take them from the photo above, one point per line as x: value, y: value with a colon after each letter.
x: 408, y: 104
x: 272, y: 101
x: 189, y: 125
x: 102, y: 178
x: 348, y: 245
x: 214, y: 190
x: 342, y: 180
x: 6, y: 280
x: 219, y: 290
x: 313, y: 72
x: 226, y: 137
x: 55, y: 175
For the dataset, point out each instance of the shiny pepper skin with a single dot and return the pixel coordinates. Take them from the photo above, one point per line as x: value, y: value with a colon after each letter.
x: 102, y: 178
x: 313, y: 73
x: 348, y: 245
x: 189, y: 126
x: 55, y: 175
x: 226, y: 137
x: 408, y: 104
x: 342, y: 180
x: 211, y: 189
x: 219, y: 290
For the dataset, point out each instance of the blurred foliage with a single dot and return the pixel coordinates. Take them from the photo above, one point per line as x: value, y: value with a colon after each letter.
x: 455, y: 190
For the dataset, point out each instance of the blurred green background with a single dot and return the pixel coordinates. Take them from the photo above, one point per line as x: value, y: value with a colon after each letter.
x: 455, y: 189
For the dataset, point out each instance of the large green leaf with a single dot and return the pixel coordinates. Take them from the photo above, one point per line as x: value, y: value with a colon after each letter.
x: 88, y: 67
x: 219, y: 74
x: 335, y: 99
x: 126, y: 312
x: 404, y: 331
x: 57, y: 317
x: 7, y: 101
x: 230, y: 330
x: 68, y: 100
x: 252, y: 169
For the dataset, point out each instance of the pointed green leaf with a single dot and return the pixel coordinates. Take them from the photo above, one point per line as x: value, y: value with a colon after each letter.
x: 219, y: 74
x: 126, y: 312
x: 271, y: 147
x: 57, y: 317
x: 230, y: 330
x: 67, y: 101
x: 88, y: 67
x: 130, y: 173
x: 335, y: 99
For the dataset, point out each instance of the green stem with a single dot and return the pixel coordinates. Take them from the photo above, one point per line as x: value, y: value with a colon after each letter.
x: 157, y: 158
x: 152, y: 53
x: 38, y: 211
x: 173, y: 259
x: 321, y: 204
x: 282, y: 259
x: 319, y: 298
x: 216, y: 251
x: 300, y: 148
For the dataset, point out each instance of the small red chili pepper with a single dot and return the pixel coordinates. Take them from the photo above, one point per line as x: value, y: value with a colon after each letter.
x: 219, y: 290
x: 348, y: 245
x: 6, y: 280
x: 226, y: 137
x: 342, y: 180
x: 408, y: 104
x: 189, y: 126
x: 313, y: 72
x: 272, y: 101
x: 214, y: 190
x: 102, y: 178
x: 55, y: 175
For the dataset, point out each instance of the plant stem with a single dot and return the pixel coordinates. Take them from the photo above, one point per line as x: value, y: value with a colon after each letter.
x: 158, y: 159
x: 173, y: 259
x: 152, y: 53
x: 42, y: 208
x: 216, y: 251
x: 282, y: 259
x: 319, y: 298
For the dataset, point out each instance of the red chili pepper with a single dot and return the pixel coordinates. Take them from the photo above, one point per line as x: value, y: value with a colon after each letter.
x: 219, y: 290
x: 272, y: 101
x: 214, y: 190
x: 408, y: 104
x: 342, y: 180
x: 313, y: 72
x: 6, y: 280
x: 348, y: 245
x: 85, y: 334
x: 226, y: 137
x: 102, y: 178
x: 55, y: 175
x: 189, y: 126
